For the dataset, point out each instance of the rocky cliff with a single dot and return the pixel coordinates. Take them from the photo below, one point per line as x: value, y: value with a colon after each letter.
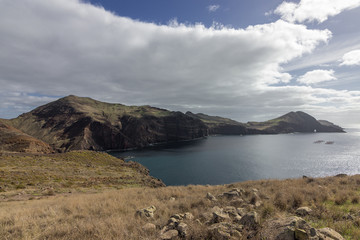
x: 288, y: 123
x: 74, y: 123
x: 224, y: 126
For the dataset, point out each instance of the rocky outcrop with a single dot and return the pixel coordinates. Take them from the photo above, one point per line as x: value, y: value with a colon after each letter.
x: 230, y: 223
x: 13, y: 140
x: 74, y: 123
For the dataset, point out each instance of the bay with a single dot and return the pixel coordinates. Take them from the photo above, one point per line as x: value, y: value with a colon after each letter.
x: 226, y: 159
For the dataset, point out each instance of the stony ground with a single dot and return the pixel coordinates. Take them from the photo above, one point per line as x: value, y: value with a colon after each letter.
x: 307, y: 208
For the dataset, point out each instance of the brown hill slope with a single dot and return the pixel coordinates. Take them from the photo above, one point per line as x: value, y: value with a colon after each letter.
x: 13, y: 140
x: 75, y: 123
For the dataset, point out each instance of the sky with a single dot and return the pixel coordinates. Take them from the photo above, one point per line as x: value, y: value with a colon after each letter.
x: 249, y: 60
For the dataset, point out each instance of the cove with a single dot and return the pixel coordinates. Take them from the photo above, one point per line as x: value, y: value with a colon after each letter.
x: 226, y: 159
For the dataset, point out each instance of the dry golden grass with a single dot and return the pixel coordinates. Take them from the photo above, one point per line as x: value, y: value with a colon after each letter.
x: 111, y: 214
x: 29, y: 176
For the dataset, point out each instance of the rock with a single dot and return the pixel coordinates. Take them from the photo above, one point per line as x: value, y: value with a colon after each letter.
x: 225, y: 231
x: 177, y: 216
x: 172, y: 199
x: 255, y: 200
x: 220, y: 216
x: 231, y: 211
x: 149, y: 227
x: 168, y: 235
x: 172, y: 222
x: 331, y: 233
x: 241, y: 211
x: 301, y: 234
x: 289, y: 228
x: 183, y: 229
x: 146, y: 212
x: 250, y: 220
x: 303, y: 211
x: 211, y: 197
x: 232, y: 194
x: 237, y: 202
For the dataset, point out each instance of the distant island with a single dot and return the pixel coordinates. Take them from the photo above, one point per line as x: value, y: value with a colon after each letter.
x: 80, y: 123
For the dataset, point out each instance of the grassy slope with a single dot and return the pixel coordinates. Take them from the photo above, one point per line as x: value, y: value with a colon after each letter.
x: 13, y: 140
x: 110, y: 215
x: 27, y: 176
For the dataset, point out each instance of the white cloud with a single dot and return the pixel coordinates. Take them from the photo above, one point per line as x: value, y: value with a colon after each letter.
x: 67, y: 47
x: 213, y: 8
x: 314, y: 10
x: 317, y: 76
x: 351, y: 58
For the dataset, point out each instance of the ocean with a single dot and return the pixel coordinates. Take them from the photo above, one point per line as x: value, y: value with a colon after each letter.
x: 226, y: 159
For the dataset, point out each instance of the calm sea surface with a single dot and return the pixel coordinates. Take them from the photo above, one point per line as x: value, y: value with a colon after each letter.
x: 227, y: 159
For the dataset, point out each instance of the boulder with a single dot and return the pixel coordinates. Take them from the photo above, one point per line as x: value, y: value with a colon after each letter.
x: 149, y: 227
x: 231, y: 211
x: 332, y: 234
x: 211, y: 197
x: 255, y: 199
x: 220, y: 216
x: 170, y: 234
x: 225, y: 231
x: 232, y: 194
x: 289, y: 228
x: 251, y: 220
x: 146, y: 212
x: 303, y: 211
x: 183, y: 229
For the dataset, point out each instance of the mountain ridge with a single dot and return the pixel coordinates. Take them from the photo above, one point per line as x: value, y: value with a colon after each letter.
x: 81, y: 123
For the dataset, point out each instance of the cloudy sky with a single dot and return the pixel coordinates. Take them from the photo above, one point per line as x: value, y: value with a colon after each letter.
x: 247, y: 60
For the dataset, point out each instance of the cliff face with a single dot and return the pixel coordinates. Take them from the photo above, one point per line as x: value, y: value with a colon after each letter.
x: 288, y: 123
x: 295, y: 122
x: 13, y: 140
x: 224, y: 126
x: 74, y: 123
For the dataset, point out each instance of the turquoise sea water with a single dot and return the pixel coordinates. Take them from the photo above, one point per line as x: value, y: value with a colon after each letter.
x: 227, y: 159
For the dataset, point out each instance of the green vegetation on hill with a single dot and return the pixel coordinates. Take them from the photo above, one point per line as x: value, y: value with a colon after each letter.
x: 24, y: 176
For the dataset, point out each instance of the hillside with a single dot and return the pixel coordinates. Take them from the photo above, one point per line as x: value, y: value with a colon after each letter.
x: 75, y: 123
x: 294, y: 209
x: 294, y: 122
x: 34, y: 176
x: 225, y: 126
x: 288, y: 123
x: 13, y: 140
